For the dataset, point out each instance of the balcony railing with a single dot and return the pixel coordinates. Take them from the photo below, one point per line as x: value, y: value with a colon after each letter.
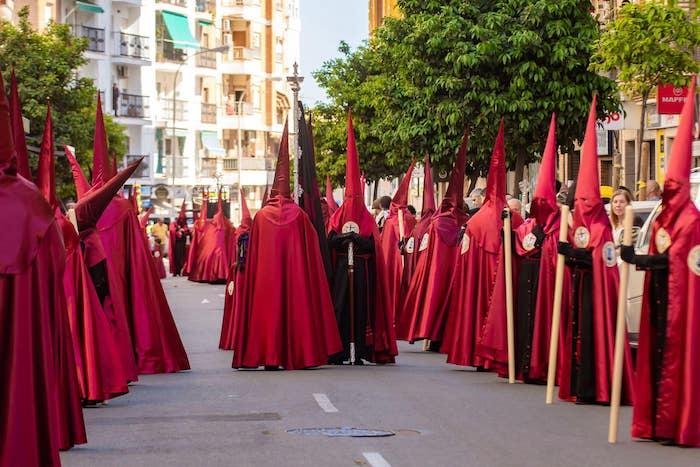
x: 206, y: 60
x: 166, y: 52
x: 166, y: 109
x: 131, y: 45
x: 94, y: 36
x: 208, y: 113
x: 230, y: 3
x: 133, y: 105
x: 230, y: 164
x: 205, y: 6
x: 144, y: 168
x: 232, y: 107
x: 173, y: 2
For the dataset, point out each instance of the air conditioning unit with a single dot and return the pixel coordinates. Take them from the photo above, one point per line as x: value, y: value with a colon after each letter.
x: 122, y: 71
x: 226, y: 25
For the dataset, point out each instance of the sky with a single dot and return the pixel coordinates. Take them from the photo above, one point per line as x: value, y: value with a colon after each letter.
x: 324, y: 23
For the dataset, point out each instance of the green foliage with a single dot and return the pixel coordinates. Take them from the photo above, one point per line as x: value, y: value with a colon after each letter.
x: 451, y: 64
x: 649, y: 44
x: 46, y: 65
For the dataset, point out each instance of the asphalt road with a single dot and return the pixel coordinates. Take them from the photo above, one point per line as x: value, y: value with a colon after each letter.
x: 442, y: 415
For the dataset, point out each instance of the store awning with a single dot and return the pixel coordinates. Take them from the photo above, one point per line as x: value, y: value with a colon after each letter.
x: 210, y: 141
x: 179, y: 31
x: 89, y: 7
x: 205, y: 22
x: 179, y: 132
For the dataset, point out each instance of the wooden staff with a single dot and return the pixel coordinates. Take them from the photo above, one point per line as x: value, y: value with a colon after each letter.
x: 73, y: 220
x: 620, y: 333
x: 508, y: 258
x: 402, y: 231
x: 351, y: 287
x: 556, y: 311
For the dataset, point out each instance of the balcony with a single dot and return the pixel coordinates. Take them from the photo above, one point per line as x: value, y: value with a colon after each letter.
x: 166, y: 110
x: 234, y: 3
x: 206, y: 60
x: 166, y: 52
x: 208, y: 113
x: 131, y: 45
x: 207, y: 168
x: 182, y: 3
x: 230, y: 164
x: 205, y: 6
x: 144, y: 169
x: 94, y: 36
x: 133, y: 106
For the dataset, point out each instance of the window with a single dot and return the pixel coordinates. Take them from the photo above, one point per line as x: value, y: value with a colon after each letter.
x: 255, y: 91
x: 279, y: 49
x: 255, y: 40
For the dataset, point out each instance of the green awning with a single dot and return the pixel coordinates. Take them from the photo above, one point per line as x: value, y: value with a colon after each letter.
x: 179, y: 132
x: 179, y: 31
x: 89, y: 7
x: 210, y: 141
x: 205, y: 22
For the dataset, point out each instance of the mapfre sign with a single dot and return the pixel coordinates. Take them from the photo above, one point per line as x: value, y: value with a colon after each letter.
x: 670, y: 99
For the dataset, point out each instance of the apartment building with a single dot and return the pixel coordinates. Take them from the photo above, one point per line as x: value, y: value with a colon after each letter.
x: 380, y: 9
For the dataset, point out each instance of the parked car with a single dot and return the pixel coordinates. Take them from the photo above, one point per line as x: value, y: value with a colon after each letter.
x: 635, y: 288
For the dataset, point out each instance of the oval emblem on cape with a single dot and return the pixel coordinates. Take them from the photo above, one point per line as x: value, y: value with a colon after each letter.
x: 609, y: 255
x: 662, y: 240
x: 156, y: 254
x: 351, y: 226
x: 581, y: 237
x: 409, y: 245
x: 229, y: 288
x: 424, y: 242
x: 465, y: 244
x: 529, y: 242
x: 694, y: 260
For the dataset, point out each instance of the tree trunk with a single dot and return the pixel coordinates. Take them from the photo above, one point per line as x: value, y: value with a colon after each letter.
x: 642, y: 164
x: 376, y: 190
x: 472, y: 182
x: 617, y: 160
x: 519, y: 171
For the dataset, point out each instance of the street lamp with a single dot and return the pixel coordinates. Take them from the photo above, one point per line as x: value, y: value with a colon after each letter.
x: 220, y: 49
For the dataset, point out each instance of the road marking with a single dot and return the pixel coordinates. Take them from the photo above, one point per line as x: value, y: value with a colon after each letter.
x: 375, y: 459
x: 205, y: 301
x: 325, y: 403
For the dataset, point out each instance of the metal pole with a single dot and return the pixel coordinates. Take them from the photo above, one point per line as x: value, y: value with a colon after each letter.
x: 295, y: 81
x: 239, y: 110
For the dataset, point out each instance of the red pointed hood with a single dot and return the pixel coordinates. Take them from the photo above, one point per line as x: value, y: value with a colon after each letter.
x: 266, y: 195
x: 220, y: 219
x: 332, y: 205
x: 484, y: 227
x: 400, y: 199
x: 453, y: 202
x: 182, y: 215
x: 353, y: 208
x: 46, y: 175
x: 18, y: 130
x: 588, y: 206
x: 101, y: 165
x: 428, y: 189
x: 89, y: 208
x: 544, y: 201
x: 246, y: 218
x: 496, y: 180
x: 280, y: 185
x: 81, y: 184
x: 8, y: 156
x: 132, y: 200
x: 204, y: 210
x: 676, y: 194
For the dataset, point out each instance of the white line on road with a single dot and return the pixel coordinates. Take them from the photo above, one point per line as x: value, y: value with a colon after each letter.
x: 325, y: 403
x: 375, y: 459
x: 205, y: 301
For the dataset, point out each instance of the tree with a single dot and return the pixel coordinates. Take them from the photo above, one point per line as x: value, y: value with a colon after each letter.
x: 648, y: 44
x: 456, y: 64
x: 348, y: 81
x: 46, y: 65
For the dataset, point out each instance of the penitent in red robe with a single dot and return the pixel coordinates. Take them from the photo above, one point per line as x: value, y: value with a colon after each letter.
x: 134, y: 283
x: 477, y: 269
x: 425, y: 308
x: 667, y: 397
x: 215, y: 243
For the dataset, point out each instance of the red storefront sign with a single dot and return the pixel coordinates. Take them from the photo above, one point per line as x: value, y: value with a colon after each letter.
x: 670, y: 99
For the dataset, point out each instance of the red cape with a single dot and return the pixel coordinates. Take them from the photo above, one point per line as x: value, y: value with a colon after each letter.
x: 158, y: 261
x: 194, y: 251
x: 392, y: 255
x: 39, y: 392
x: 424, y: 311
x: 133, y: 278
x: 215, y: 251
x: 286, y: 308
x: 101, y: 372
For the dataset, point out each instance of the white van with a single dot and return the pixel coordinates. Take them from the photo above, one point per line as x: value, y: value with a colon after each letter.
x: 648, y: 210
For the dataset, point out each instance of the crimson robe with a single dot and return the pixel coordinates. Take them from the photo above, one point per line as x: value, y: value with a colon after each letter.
x: 215, y: 245
x: 390, y: 237
x: 39, y: 392
x: 286, y: 310
x: 135, y: 286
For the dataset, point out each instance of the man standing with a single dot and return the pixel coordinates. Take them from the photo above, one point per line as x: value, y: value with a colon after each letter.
x: 115, y: 99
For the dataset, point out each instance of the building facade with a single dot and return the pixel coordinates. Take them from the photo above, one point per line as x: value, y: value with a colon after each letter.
x: 380, y: 9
